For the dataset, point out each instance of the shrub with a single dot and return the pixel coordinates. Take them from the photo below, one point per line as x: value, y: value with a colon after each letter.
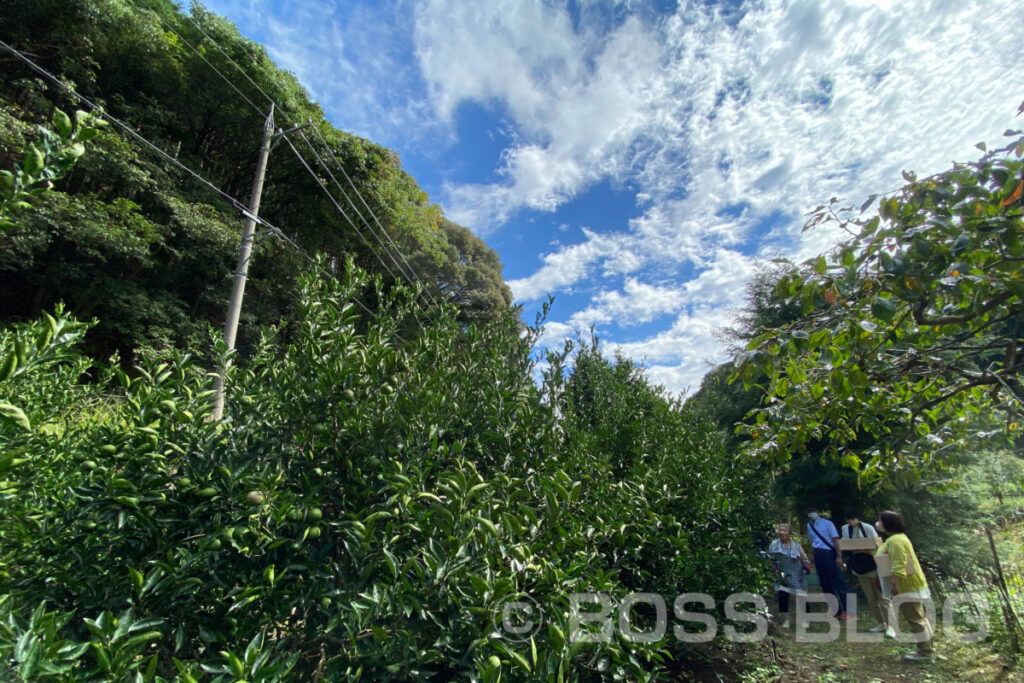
x: 363, y: 510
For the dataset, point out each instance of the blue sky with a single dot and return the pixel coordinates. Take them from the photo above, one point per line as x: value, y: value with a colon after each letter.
x: 637, y: 160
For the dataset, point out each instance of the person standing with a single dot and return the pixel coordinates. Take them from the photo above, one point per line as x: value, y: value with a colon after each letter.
x: 824, y: 541
x: 907, y: 582
x: 791, y: 565
x: 862, y: 564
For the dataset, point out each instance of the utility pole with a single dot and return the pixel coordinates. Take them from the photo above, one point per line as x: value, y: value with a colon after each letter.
x: 242, y: 269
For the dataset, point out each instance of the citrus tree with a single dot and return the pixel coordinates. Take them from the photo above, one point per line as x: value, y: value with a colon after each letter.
x: 364, y: 511
x: 909, y: 347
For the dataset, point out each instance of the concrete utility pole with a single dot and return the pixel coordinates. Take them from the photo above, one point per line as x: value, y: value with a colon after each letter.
x: 244, y: 250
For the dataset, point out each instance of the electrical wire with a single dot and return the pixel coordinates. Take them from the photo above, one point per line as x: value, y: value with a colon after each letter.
x: 337, y: 206
x: 120, y: 124
x: 409, y: 272
x: 410, y: 275
x: 137, y: 136
x: 244, y: 73
x: 205, y: 60
x: 362, y: 199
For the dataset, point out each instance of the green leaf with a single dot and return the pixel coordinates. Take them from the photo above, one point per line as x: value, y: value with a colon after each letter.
x: 236, y: 664
x: 136, y: 577
x: 16, y: 415
x: 34, y: 161
x: 151, y: 622
x: 961, y: 244
x: 9, y: 367
x: 62, y: 123
x: 142, y: 638
x: 883, y: 309
x: 870, y: 227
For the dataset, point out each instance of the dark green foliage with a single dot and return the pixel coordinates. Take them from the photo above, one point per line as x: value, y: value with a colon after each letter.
x: 689, y: 504
x: 381, y: 484
x: 470, y: 274
x: 44, y: 161
x: 764, y: 308
x: 362, y: 511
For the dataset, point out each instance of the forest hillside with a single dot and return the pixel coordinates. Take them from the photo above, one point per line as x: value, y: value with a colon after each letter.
x: 148, y: 249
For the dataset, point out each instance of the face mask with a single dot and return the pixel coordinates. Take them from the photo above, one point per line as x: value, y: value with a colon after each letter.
x: 879, y: 527
x: 813, y: 516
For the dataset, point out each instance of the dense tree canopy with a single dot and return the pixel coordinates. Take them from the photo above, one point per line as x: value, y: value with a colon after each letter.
x: 149, y: 250
x: 911, y: 338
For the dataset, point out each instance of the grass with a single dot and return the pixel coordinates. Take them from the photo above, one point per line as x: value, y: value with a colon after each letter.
x: 781, y: 657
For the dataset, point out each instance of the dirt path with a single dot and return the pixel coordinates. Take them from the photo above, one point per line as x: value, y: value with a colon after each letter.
x: 785, y: 657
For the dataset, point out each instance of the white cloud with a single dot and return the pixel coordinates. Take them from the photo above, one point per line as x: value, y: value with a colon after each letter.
x: 719, y: 127
x: 688, y: 346
x: 568, y: 265
x: 554, y: 334
x: 355, y: 60
x: 638, y: 303
x: 576, y: 96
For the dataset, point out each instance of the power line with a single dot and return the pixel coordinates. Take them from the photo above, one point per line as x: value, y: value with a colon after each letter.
x: 410, y: 275
x: 337, y: 205
x: 408, y: 272
x: 256, y: 108
x: 137, y: 136
x: 205, y: 60
x: 341, y: 168
x: 120, y: 124
x: 275, y: 105
x: 234, y: 63
x: 320, y: 270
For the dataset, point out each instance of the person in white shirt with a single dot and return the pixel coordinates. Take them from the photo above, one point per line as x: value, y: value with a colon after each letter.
x: 829, y: 565
x: 862, y: 564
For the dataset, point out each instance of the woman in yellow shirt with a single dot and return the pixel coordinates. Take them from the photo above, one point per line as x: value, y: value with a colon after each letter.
x: 909, y: 587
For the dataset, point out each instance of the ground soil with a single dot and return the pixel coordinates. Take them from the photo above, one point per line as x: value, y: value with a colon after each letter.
x: 782, y: 656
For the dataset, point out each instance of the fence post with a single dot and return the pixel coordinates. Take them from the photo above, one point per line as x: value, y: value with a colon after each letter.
x: 1009, y: 616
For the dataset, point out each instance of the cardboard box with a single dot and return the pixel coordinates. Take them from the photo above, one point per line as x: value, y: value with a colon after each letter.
x: 871, y: 544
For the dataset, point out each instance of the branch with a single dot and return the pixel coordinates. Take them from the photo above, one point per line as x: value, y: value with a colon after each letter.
x: 921, y: 318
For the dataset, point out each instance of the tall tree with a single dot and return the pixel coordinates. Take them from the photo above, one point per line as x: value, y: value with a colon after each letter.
x: 912, y: 330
